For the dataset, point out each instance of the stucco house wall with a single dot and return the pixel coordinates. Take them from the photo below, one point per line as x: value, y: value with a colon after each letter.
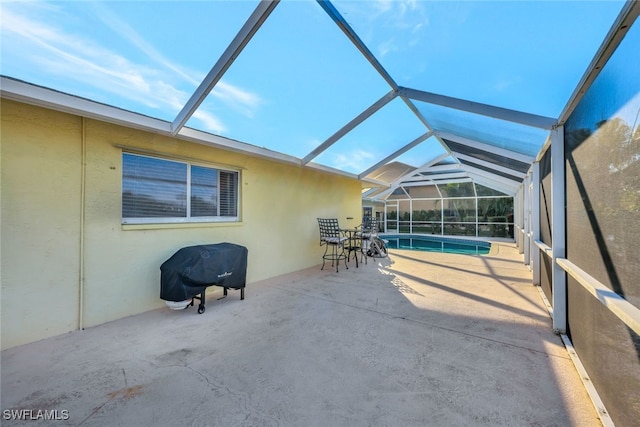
x: 67, y: 262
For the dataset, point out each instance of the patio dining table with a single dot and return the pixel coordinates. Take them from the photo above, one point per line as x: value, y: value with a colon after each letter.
x: 354, y: 242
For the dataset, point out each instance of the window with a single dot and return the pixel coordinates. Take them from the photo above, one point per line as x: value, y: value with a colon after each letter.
x: 160, y: 190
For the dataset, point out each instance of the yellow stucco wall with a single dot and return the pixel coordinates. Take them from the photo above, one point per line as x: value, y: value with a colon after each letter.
x: 60, y: 221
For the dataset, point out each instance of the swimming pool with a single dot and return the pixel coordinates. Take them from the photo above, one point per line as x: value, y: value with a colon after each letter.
x: 436, y: 244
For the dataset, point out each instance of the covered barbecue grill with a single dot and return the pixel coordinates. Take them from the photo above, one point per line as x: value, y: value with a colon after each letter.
x: 186, y: 275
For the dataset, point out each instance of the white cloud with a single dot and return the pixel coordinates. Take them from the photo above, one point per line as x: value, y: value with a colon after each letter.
x: 408, y: 5
x: 420, y: 25
x: 356, y: 160
x: 150, y: 79
x: 383, y: 6
x: 406, y: 20
x: 210, y: 121
x: 386, y: 47
x: 237, y: 98
x: 504, y: 84
x: 127, y: 32
x: 399, y: 14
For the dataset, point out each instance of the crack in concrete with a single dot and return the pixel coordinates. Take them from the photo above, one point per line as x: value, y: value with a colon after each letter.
x: 242, y: 397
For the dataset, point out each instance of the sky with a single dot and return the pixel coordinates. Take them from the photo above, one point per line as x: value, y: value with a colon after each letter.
x: 300, y: 79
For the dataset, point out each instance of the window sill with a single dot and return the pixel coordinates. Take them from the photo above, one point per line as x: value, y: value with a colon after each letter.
x: 178, y: 225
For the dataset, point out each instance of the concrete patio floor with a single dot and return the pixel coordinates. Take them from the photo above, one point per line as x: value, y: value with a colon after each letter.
x: 416, y: 339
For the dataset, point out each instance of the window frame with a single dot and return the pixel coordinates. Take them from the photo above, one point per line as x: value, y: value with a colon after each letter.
x: 188, y: 219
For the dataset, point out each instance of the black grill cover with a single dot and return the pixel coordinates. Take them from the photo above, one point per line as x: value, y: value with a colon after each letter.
x: 192, y: 269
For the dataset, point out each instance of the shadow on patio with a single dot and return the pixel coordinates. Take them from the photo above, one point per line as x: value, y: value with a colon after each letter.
x: 415, y: 339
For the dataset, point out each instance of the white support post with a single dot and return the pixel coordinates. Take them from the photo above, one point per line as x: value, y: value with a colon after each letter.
x: 477, y: 225
x: 558, y: 230
x: 535, y: 222
x: 527, y: 228
x: 410, y: 216
x: 384, y: 228
x: 521, y: 220
x: 517, y: 201
x: 441, y: 215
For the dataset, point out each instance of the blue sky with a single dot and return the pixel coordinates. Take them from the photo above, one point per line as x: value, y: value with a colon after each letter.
x: 300, y: 79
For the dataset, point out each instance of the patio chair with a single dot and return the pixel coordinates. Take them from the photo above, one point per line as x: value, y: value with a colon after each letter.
x: 331, y: 236
x: 368, y: 230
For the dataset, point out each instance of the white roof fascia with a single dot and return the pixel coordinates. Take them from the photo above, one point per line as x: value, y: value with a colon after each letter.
x: 349, y: 126
x: 514, y: 116
x: 48, y: 98
x: 524, y: 158
x: 248, y: 30
x: 398, y: 153
x: 630, y: 11
x: 490, y: 165
x: 43, y: 97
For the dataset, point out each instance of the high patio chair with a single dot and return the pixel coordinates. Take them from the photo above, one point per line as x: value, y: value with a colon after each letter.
x: 331, y: 236
x: 367, y: 231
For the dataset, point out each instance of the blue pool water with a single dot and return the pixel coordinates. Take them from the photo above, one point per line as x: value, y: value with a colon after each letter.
x: 436, y: 244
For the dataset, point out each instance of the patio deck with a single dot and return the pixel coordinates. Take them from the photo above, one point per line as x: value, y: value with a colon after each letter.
x: 412, y: 340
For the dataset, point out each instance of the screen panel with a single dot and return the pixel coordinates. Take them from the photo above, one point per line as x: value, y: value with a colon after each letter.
x: 602, y: 153
x: 546, y: 208
x: 609, y: 351
x: 488, y: 130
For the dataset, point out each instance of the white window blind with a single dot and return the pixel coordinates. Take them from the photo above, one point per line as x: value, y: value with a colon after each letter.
x: 204, y: 191
x: 228, y: 193
x: 160, y: 190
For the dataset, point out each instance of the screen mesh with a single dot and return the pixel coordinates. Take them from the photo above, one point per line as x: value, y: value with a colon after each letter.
x: 602, y: 152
